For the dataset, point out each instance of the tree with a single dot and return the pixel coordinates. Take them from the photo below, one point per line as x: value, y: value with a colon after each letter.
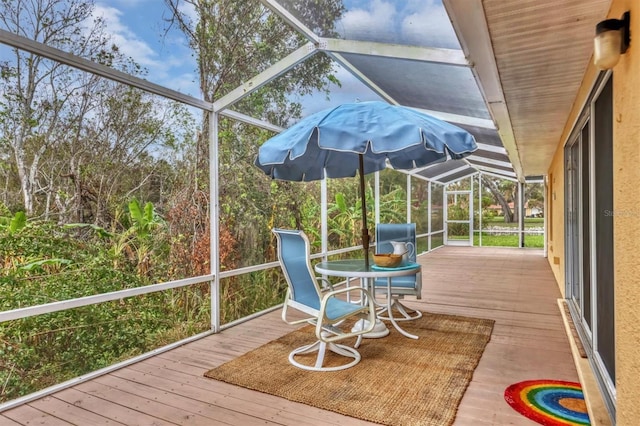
x: 110, y: 160
x: 38, y: 92
x: 234, y: 41
x: 502, y: 191
x: 74, y: 137
x: 534, y: 195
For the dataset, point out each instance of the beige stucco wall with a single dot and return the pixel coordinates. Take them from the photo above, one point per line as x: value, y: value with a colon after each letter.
x: 626, y: 176
x: 626, y: 224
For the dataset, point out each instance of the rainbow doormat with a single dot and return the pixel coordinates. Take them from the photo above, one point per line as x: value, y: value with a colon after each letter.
x: 549, y: 402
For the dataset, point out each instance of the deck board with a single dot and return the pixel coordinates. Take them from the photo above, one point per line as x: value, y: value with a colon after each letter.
x: 514, y: 287
x: 27, y: 415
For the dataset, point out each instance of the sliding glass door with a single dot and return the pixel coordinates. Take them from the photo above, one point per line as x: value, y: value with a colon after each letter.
x: 589, y: 215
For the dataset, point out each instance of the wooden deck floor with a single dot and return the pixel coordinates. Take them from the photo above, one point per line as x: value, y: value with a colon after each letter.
x: 514, y: 287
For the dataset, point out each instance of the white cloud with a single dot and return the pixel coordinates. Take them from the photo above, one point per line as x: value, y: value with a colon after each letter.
x: 128, y: 42
x: 416, y: 22
x: 429, y: 27
x: 374, y: 23
x: 167, y: 57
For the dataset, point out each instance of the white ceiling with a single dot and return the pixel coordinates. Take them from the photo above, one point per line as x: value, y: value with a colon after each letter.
x: 540, y: 50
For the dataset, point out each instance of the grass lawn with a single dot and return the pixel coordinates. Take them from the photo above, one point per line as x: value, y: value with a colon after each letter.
x: 536, y: 241
x: 529, y: 222
x: 506, y: 239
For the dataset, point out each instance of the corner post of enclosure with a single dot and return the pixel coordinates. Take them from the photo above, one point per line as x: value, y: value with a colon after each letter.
x: 376, y: 192
x: 408, y: 198
x: 445, y: 214
x: 521, y: 215
x: 471, y: 209
x: 429, y: 215
x: 545, y: 211
x: 324, y: 232
x: 214, y: 216
x: 480, y: 209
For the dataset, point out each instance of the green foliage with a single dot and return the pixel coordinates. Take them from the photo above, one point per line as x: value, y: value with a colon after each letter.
x: 18, y: 222
x: 100, y: 231
x: 13, y: 224
x: 143, y: 220
x: 529, y: 222
x: 458, y: 212
x: 508, y: 240
x: 46, y: 262
x: 250, y: 293
x: 91, y: 152
x: 47, y: 349
x: 39, y: 264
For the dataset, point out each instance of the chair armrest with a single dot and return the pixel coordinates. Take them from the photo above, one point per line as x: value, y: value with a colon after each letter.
x: 334, y: 293
x: 369, y: 308
x: 326, y: 284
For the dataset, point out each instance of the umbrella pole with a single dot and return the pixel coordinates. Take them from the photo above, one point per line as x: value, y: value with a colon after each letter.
x: 365, y: 230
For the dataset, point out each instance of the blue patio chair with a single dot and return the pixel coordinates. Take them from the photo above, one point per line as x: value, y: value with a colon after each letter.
x: 409, y: 285
x: 323, y: 308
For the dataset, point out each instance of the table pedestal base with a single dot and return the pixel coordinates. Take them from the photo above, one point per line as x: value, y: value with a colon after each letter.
x: 379, y: 330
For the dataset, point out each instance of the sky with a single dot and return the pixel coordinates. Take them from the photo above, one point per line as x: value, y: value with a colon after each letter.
x: 137, y: 26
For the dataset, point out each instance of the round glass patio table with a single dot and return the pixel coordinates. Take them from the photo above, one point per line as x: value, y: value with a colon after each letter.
x: 355, y: 268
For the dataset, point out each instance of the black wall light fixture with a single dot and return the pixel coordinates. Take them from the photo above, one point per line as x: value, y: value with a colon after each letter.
x: 612, y: 39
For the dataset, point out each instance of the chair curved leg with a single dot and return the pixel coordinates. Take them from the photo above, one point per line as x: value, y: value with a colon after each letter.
x: 358, y: 341
x: 322, y: 347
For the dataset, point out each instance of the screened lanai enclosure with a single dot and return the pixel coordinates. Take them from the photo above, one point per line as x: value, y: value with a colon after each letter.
x: 134, y: 218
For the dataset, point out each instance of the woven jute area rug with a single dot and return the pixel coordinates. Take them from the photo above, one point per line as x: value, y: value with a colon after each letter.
x: 399, y: 381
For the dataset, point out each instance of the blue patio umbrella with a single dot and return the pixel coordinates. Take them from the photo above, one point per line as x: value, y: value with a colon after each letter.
x: 362, y: 137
